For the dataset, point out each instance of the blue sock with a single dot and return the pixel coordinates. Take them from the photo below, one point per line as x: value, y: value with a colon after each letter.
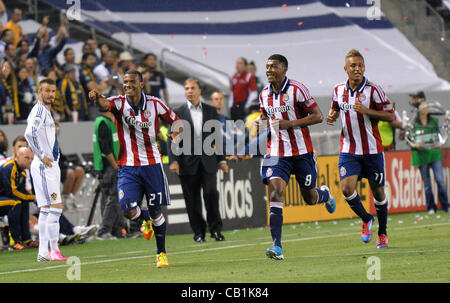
x: 160, y: 226
x: 324, y: 196
x: 145, y: 214
x: 276, y: 223
x: 355, y: 203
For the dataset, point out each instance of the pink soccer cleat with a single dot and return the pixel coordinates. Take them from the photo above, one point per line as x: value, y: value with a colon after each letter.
x: 55, y: 255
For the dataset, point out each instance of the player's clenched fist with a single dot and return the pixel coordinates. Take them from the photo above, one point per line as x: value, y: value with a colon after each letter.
x: 332, y: 117
x: 94, y: 95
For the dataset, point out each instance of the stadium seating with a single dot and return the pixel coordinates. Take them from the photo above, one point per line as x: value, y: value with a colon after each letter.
x: 314, y: 35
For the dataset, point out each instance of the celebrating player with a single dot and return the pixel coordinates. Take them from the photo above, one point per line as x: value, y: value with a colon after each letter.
x: 140, y: 168
x: 289, y: 108
x: 41, y: 136
x: 362, y: 104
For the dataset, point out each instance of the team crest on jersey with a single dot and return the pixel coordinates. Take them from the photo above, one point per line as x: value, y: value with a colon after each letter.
x: 54, y: 196
x: 343, y: 171
x: 147, y: 114
x: 286, y: 98
x: 121, y: 194
x: 362, y: 97
x: 269, y: 172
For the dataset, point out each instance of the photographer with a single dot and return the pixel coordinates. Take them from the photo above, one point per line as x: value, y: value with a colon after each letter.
x: 426, y: 151
x: 106, y: 151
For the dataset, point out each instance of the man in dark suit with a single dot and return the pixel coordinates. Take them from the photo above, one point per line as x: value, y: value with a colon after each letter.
x: 196, y: 169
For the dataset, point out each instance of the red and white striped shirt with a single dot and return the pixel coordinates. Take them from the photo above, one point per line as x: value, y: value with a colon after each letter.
x: 360, y: 133
x: 137, y: 129
x: 292, y: 103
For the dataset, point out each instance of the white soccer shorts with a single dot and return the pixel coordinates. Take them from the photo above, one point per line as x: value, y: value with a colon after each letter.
x: 47, y: 182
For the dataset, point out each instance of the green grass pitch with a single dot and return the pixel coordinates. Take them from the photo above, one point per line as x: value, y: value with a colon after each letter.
x: 332, y: 251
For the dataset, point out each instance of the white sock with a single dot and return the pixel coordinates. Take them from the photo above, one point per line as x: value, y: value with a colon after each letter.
x: 53, y: 227
x: 43, y: 236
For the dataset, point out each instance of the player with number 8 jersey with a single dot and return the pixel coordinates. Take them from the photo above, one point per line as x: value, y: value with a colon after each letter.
x: 288, y: 109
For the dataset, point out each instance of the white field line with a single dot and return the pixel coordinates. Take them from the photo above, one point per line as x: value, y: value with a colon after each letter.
x: 212, y: 249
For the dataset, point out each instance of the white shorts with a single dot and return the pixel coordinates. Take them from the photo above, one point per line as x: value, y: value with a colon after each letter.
x: 46, y: 182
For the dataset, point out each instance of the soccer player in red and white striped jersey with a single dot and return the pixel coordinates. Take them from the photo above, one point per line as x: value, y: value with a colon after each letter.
x: 140, y: 168
x: 289, y: 109
x: 361, y: 104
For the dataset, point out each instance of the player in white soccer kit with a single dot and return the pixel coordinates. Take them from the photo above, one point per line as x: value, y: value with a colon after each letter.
x: 289, y: 109
x: 41, y: 136
x: 361, y: 104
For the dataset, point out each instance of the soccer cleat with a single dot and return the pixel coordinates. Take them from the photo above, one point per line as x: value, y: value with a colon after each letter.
x: 330, y: 205
x: 147, y: 229
x: 382, y: 241
x: 31, y: 244
x: 366, y: 233
x: 275, y: 253
x: 55, y: 255
x: 43, y: 259
x: 161, y: 260
x: 17, y: 246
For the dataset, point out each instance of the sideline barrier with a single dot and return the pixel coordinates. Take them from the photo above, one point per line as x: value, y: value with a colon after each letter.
x: 404, y: 189
x: 404, y: 186
x: 241, y: 199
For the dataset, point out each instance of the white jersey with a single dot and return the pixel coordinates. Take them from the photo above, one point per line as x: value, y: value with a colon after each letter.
x: 41, y: 133
x: 41, y: 137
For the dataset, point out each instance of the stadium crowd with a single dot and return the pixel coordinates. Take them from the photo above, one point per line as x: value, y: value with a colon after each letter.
x: 25, y: 59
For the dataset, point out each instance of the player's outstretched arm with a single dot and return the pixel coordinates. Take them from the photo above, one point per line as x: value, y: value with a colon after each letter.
x: 99, y: 100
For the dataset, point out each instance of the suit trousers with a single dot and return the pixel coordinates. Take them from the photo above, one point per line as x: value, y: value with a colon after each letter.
x: 192, y: 186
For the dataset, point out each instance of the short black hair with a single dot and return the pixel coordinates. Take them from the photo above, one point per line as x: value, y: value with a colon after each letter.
x: 86, y: 55
x: 282, y: 59
x: 243, y: 59
x: 19, y: 139
x: 135, y: 72
x: 68, y: 50
x: 48, y: 81
x: 150, y: 54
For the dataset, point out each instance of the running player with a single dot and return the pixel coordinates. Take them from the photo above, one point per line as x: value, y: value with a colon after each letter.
x: 140, y: 168
x: 361, y: 104
x: 46, y: 175
x: 290, y: 109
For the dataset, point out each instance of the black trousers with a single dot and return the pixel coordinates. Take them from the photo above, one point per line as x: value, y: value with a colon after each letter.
x: 192, y: 185
x: 237, y: 111
x: 18, y: 220
x: 112, y: 216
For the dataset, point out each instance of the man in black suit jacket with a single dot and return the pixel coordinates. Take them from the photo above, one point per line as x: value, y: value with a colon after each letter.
x: 196, y: 169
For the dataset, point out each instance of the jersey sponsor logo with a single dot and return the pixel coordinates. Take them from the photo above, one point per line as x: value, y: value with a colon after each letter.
x: 133, y: 122
x: 343, y: 171
x: 345, y: 106
x: 278, y: 109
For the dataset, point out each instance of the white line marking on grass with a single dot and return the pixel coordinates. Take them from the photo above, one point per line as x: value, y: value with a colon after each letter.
x: 209, y: 249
